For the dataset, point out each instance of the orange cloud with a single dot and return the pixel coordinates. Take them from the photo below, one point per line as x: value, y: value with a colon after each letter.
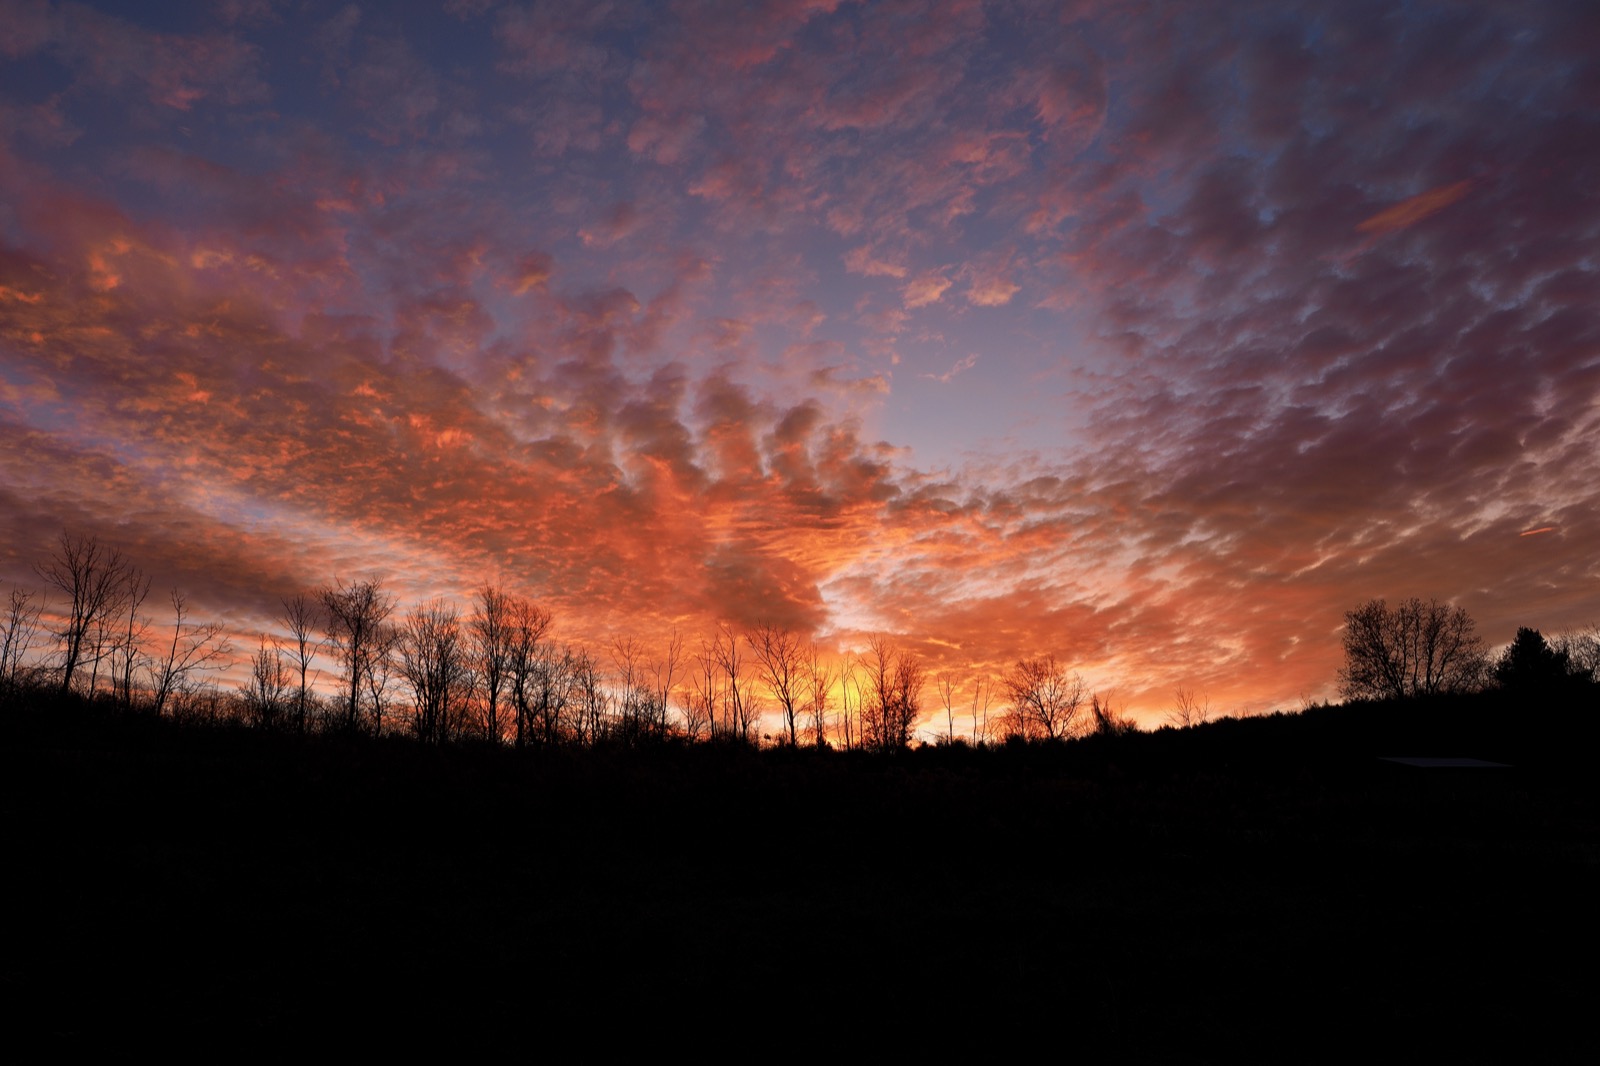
x: 1410, y: 212
x: 1213, y: 445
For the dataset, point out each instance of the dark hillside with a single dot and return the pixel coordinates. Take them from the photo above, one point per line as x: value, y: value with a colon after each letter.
x: 1263, y: 888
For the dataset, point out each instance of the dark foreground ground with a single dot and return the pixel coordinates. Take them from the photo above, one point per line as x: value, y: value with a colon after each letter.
x: 1266, y: 890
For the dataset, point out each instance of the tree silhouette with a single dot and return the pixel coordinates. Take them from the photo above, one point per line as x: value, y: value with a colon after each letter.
x: 1188, y: 709
x: 1045, y: 698
x: 18, y: 629
x: 1530, y: 665
x: 850, y: 718
x: 493, y: 632
x: 1416, y: 649
x: 1582, y: 650
x: 128, y: 650
x: 700, y: 702
x: 300, y: 617
x: 819, y: 679
x: 733, y: 692
x: 591, y: 700
x: 268, y: 687
x: 982, y: 693
x: 526, y: 660
x: 556, y: 699
x: 91, y: 577
x: 780, y: 662
x: 665, y: 672
x: 892, y: 698
x: 640, y: 716
x: 357, y: 617
x: 1108, y: 721
x: 435, y: 661
x: 192, y: 648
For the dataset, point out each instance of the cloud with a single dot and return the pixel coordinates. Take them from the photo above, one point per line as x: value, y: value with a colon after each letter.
x: 991, y: 290
x: 965, y: 363
x: 1410, y: 211
x: 532, y: 272
x: 618, y: 222
x: 606, y: 303
x: 863, y: 260
x: 828, y: 377
x: 106, y: 55
x: 925, y: 290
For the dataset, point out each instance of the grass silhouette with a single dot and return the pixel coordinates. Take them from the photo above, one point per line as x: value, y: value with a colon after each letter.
x: 1257, y: 889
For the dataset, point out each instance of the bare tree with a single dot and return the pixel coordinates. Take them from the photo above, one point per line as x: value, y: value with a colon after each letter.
x: 780, y: 663
x: 1417, y: 649
x: 738, y: 700
x: 1582, y: 651
x: 357, y: 617
x: 90, y: 576
x: 201, y: 701
x: 1107, y: 719
x: 267, y: 691
x: 665, y: 672
x: 1045, y: 698
x: 556, y: 696
x: 700, y: 702
x: 1188, y: 709
x: 193, y: 648
x: 593, y: 703
x: 19, y: 628
x: 435, y: 661
x: 638, y: 717
x: 493, y: 630
x: 849, y: 718
x: 982, y: 694
x: 128, y: 650
x: 907, y: 702
x: 380, y: 672
x: 946, y: 698
x: 644, y: 688
x: 819, y: 679
x: 891, y: 701
x: 528, y: 625
x: 300, y: 618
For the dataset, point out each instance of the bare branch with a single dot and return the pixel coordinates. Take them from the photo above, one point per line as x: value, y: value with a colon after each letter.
x: 1188, y: 709
x: 780, y: 664
x: 357, y: 618
x: 193, y: 648
x: 1045, y: 698
x: 90, y: 576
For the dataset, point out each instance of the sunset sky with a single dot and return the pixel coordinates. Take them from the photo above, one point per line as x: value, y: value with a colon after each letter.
x: 1152, y: 335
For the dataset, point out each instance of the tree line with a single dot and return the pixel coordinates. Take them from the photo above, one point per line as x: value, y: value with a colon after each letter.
x: 1426, y: 648
x: 348, y: 659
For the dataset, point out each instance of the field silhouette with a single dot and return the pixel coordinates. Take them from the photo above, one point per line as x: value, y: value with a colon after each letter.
x: 1263, y: 889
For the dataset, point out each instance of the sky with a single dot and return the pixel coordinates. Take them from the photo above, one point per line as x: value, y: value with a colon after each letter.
x: 1154, y: 336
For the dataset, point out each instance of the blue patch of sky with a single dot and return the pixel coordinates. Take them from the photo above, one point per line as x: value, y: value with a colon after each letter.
x: 33, y: 79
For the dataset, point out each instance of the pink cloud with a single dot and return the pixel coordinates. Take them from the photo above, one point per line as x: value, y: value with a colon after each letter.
x: 864, y: 260
x: 924, y: 290
x: 965, y: 363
